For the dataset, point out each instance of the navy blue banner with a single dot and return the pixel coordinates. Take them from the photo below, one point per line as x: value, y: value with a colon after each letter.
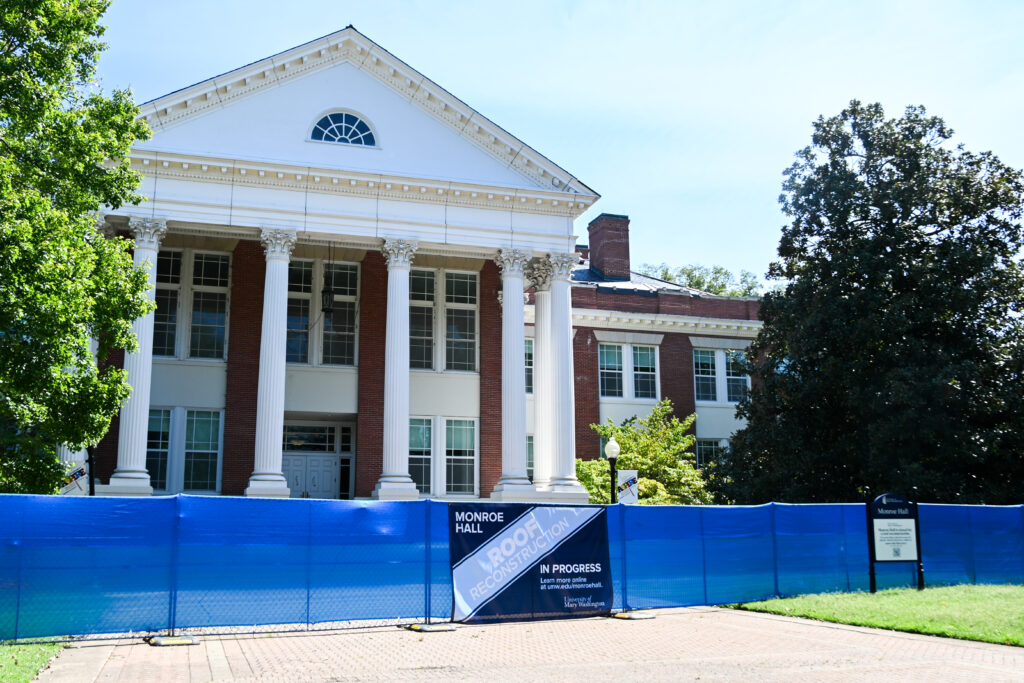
x: 516, y: 561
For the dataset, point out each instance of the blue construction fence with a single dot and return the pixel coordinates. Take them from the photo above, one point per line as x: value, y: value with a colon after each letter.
x: 78, y: 566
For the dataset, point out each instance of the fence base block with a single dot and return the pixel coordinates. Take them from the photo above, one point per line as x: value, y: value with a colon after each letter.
x: 163, y: 641
x: 431, y: 628
x: 633, y: 615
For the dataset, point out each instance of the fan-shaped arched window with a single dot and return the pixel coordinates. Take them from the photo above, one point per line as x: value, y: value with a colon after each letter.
x: 345, y: 128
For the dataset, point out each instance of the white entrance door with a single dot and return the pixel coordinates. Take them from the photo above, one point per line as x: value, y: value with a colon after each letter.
x: 317, y: 460
x: 313, y: 476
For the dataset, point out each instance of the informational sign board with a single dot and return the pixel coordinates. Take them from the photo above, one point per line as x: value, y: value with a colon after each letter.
x: 515, y: 562
x: 893, y: 534
x: 73, y: 483
x: 628, y: 492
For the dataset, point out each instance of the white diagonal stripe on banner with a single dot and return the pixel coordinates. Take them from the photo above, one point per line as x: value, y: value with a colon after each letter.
x: 510, y: 553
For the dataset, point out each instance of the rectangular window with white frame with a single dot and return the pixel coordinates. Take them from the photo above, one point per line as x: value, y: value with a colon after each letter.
x: 710, y: 451
x: 443, y: 320
x: 628, y: 371
x: 184, y: 450
x: 719, y: 376
x: 528, y: 362
x: 444, y: 456
x: 316, y: 337
x: 191, y: 319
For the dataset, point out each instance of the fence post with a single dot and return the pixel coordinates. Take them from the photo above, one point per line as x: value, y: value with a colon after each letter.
x: 309, y: 556
x: 775, y: 550
x: 972, y: 567
x: 625, y: 575
x: 172, y: 602
x: 703, y: 554
x: 19, y: 552
x: 426, y: 572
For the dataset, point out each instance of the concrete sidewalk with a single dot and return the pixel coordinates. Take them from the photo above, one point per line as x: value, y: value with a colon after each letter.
x: 680, y: 644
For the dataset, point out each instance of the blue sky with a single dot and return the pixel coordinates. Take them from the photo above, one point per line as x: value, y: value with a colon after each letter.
x: 682, y: 115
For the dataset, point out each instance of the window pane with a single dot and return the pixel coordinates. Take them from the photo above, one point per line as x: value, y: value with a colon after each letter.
x: 300, y: 276
x: 704, y: 375
x: 165, y: 322
x: 340, y: 334
x: 529, y: 366
x: 168, y: 267
x: 644, y: 375
x: 460, y: 350
x: 610, y: 365
x: 421, y: 285
x: 157, y: 443
x: 343, y: 278
x: 210, y: 270
x: 709, y: 451
x: 735, y: 377
x: 460, y: 288
x: 202, y: 446
x: 209, y: 314
x: 529, y: 456
x: 419, y: 453
x: 297, y: 345
x: 318, y: 438
x: 460, y: 456
x: 421, y: 337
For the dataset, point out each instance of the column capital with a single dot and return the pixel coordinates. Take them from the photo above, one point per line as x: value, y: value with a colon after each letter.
x: 512, y: 262
x: 539, y: 272
x: 399, y: 253
x: 147, y: 231
x: 277, y: 242
x: 562, y: 265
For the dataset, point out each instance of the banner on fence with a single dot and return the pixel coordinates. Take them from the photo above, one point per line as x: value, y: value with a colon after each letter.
x: 515, y: 561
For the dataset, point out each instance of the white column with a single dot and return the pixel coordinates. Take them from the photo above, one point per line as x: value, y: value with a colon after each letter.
x: 564, y: 481
x: 395, y: 482
x: 267, y: 479
x: 130, y: 477
x: 543, y: 378
x: 513, y: 478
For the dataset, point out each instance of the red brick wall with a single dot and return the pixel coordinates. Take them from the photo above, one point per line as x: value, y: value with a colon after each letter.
x: 249, y: 271
x: 609, y: 246
x: 490, y: 378
x: 675, y: 360
x: 105, y: 453
x: 373, y: 310
x: 587, y: 396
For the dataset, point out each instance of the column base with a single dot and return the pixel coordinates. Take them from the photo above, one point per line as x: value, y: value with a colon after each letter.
x: 389, y: 489
x: 267, y: 488
x: 540, y: 496
x: 124, y: 488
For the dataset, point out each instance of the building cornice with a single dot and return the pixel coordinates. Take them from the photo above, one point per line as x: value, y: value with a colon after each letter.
x: 355, y: 183
x: 350, y: 46
x: 650, y: 322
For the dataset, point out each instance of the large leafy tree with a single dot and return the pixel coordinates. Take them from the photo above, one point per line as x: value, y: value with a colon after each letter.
x: 712, y: 279
x: 893, y: 358
x: 660, y: 448
x: 63, y: 150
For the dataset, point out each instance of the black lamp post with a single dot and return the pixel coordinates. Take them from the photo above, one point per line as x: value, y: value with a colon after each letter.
x: 611, y: 451
x: 327, y: 299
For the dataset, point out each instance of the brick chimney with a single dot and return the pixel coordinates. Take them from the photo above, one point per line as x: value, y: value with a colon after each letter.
x: 609, y: 246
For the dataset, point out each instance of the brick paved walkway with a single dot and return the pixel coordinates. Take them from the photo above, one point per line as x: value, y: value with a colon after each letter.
x: 680, y: 644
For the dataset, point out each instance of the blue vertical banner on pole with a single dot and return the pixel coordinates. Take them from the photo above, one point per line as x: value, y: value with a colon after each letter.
x: 515, y: 561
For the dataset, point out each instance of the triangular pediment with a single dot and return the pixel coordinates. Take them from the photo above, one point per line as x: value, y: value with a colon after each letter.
x: 266, y: 110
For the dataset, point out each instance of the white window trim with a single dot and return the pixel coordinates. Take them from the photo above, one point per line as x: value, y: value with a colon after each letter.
x: 176, y: 451
x: 439, y: 307
x: 628, y: 379
x: 721, y: 381
x: 315, y: 352
x: 185, y: 289
x: 439, y: 457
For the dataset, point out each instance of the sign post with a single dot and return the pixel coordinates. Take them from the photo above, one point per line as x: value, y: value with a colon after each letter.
x: 627, y: 487
x: 894, y: 534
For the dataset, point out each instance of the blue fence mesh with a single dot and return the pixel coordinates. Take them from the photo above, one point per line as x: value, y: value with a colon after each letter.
x: 102, y: 565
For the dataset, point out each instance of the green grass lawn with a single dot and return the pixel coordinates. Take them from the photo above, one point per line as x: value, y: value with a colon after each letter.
x: 993, y: 614
x: 20, y: 663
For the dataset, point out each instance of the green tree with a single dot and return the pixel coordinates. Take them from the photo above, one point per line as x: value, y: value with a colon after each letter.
x: 712, y: 279
x: 659, y: 447
x: 892, y: 360
x: 63, y: 155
